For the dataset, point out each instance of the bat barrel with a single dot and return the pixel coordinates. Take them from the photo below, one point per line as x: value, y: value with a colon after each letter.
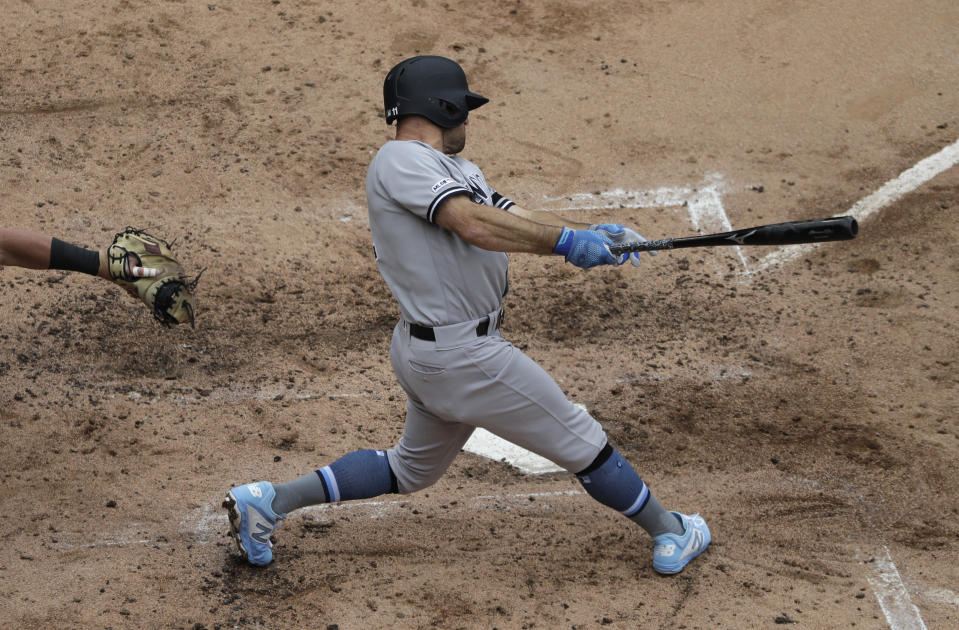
x: 853, y: 227
x: 799, y: 232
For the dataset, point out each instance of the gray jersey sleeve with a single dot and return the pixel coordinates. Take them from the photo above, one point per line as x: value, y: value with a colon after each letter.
x: 418, y: 180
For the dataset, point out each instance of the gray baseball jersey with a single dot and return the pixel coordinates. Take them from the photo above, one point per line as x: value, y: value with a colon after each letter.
x: 436, y: 277
x: 460, y: 379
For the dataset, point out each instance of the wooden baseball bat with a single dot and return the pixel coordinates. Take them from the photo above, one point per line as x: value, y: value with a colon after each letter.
x: 788, y: 233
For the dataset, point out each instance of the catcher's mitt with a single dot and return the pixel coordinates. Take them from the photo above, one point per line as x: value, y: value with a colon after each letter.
x: 144, y: 265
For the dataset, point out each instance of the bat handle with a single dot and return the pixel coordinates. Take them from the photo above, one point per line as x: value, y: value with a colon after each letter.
x: 642, y: 246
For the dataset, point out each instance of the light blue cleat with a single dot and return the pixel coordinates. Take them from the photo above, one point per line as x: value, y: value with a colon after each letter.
x: 252, y: 520
x: 673, y: 552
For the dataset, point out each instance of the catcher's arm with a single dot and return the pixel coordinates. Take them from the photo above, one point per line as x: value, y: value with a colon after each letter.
x: 137, y: 261
x: 35, y: 250
x: 23, y: 248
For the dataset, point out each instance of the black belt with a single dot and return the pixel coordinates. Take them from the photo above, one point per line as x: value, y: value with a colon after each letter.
x: 426, y: 333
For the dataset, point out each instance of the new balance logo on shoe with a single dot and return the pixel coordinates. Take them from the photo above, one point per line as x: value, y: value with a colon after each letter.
x: 255, y: 490
x: 665, y: 550
x: 695, y: 544
x: 260, y: 528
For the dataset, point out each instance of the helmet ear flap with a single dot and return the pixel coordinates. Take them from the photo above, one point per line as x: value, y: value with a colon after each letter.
x: 452, y: 110
x: 391, y: 97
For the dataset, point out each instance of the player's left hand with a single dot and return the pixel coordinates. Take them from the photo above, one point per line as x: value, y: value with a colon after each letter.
x: 622, y: 234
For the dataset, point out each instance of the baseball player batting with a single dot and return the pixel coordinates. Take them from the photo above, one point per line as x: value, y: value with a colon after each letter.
x: 441, y: 235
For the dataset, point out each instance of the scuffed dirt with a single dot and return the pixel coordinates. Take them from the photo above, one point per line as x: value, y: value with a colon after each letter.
x: 809, y: 412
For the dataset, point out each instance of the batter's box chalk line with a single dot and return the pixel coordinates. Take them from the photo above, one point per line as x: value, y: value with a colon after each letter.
x: 210, y: 521
x: 704, y: 204
x: 887, y: 194
x: 486, y: 444
x: 891, y: 593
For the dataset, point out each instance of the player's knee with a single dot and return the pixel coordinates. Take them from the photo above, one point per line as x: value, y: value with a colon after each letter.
x: 416, y: 481
x: 412, y: 478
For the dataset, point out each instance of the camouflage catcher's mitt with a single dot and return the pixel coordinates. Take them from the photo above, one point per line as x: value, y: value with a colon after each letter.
x: 144, y: 265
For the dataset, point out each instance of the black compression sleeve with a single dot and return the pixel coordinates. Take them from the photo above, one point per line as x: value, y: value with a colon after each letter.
x: 72, y: 258
x: 599, y: 461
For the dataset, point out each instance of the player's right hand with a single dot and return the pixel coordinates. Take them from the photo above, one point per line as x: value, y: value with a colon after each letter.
x: 622, y: 234
x: 585, y: 248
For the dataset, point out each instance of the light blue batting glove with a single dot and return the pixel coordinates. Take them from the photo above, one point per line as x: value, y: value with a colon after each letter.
x: 585, y: 248
x: 622, y: 234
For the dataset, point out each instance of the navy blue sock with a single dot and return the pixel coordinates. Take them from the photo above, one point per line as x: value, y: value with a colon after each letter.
x: 611, y: 480
x: 356, y: 475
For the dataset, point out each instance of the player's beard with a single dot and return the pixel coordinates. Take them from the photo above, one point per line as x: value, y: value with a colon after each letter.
x: 454, y: 139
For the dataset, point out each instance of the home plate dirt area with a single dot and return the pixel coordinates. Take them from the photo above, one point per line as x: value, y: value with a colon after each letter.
x: 803, y: 400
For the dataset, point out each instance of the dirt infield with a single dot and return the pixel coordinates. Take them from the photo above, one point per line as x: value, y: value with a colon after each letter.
x: 806, y: 404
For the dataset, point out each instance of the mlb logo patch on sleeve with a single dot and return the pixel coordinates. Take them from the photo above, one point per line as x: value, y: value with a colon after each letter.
x: 443, y: 182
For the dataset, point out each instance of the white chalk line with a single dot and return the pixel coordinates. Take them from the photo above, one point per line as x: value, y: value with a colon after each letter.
x: 887, y: 584
x: 485, y: 444
x: 703, y: 203
x: 278, y: 395
x: 707, y: 214
x: 938, y: 595
x: 900, y: 612
x: 232, y: 395
x: 137, y: 533
x: 888, y: 193
x: 213, y: 520
x: 210, y: 521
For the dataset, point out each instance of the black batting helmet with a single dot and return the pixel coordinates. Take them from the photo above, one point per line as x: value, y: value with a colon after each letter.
x: 430, y: 86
